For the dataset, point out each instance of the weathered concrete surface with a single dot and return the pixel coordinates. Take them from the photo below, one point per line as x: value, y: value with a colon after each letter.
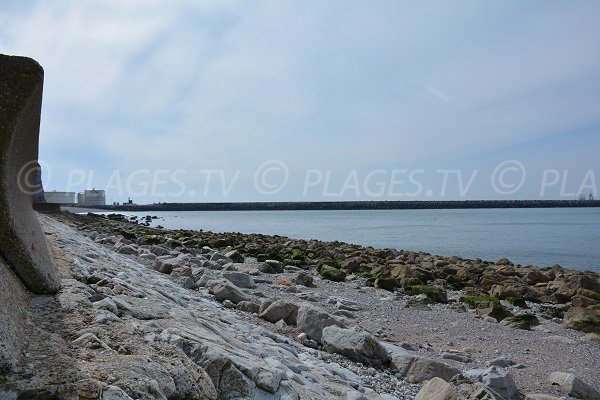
x: 14, y: 301
x: 22, y: 242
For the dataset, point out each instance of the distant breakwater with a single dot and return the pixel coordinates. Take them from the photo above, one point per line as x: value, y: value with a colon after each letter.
x: 352, y: 205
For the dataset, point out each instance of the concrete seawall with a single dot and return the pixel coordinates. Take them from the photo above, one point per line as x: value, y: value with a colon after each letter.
x: 25, y: 263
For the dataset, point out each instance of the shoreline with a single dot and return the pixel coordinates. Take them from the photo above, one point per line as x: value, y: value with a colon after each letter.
x: 486, y: 317
x: 467, y: 254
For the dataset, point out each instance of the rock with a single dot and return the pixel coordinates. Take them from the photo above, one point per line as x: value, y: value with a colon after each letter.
x: 354, y: 344
x: 389, y: 284
x: 240, y: 279
x: 463, y: 358
x: 235, y: 256
x: 332, y: 274
x: 271, y: 267
x: 129, y: 250
x: 104, y: 317
x: 166, y: 265
x: 573, y: 386
x: 583, y: 301
x: 313, y: 320
x: 501, y: 362
x: 248, y: 306
x: 583, y: 319
x: 434, y: 293
x: 114, y: 393
x: 304, y: 279
x: 541, y: 397
x: 592, y: 337
x: 437, y: 389
x: 148, y: 256
x: 106, y: 304
x: 503, y: 261
x: 521, y: 321
x: 206, y: 278
x: 417, y: 369
x: 496, y: 378
x: 225, y: 290
x: 280, y: 310
x: 228, y: 304
x: 492, y: 309
x: 235, y: 385
x: 220, y: 258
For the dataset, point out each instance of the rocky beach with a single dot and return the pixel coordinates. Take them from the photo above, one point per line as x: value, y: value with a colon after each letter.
x: 147, y: 313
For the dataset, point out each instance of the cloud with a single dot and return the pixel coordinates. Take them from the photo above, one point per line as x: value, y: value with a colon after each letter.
x: 148, y: 84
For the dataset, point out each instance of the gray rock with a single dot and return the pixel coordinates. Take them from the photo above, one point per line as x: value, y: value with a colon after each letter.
x: 354, y: 344
x: 130, y: 250
x: 208, y: 276
x: 220, y: 258
x: 148, y: 256
x: 235, y: 256
x: 313, y: 320
x: 248, y: 306
x: 501, y: 362
x: 271, y: 267
x: 225, y: 290
x: 240, y: 279
x: 573, y: 386
x: 463, y: 358
x: 106, y: 304
x: 437, y: 389
x: 496, y: 378
x: 417, y: 369
x: 235, y: 385
x: 535, y: 396
x: 304, y: 279
x: 105, y: 317
x: 280, y: 310
x: 114, y: 393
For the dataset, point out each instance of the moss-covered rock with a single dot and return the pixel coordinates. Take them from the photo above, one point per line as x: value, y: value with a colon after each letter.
x: 492, y: 309
x: 435, y: 293
x: 474, y: 300
x: 332, y: 273
x: 583, y: 319
x: 522, y: 321
x: 387, y: 283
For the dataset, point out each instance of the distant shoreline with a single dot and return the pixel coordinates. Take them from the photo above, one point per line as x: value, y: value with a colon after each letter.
x: 348, y: 205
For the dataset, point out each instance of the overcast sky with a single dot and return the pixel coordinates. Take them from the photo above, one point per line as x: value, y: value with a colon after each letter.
x: 369, y: 100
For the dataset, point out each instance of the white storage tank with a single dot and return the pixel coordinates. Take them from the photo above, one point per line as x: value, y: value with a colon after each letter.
x: 60, y: 197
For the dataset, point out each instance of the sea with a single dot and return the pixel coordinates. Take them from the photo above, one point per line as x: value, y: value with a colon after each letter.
x: 542, y: 237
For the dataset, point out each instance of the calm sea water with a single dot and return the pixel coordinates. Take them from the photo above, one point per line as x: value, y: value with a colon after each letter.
x: 566, y: 236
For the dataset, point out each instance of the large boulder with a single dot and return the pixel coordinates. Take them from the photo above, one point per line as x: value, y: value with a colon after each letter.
x: 225, y: 290
x: 496, y: 378
x: 240, y: 279
x: 313, y: 320
x: 583, y: 319
x: 280, y: 310
x: 354, y: 344
x: 437, y: 389
x: 492, y: 309
x: 417, y: 369
x: 570, y: 385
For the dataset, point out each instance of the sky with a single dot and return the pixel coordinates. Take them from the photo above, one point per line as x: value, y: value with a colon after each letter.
x: 201, y: 101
